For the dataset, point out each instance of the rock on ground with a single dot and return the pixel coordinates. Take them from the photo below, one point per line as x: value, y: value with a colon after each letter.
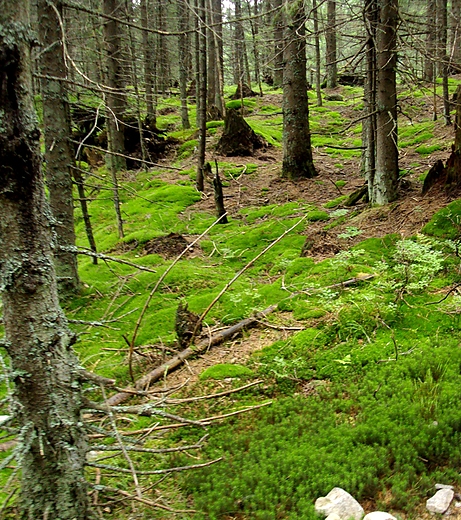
x: 340, y: 502
x: 441, y: 501
x: 379, y: 515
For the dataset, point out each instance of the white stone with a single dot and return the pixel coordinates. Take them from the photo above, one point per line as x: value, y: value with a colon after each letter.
x: 333, y: 516
x: 4, y: 419
x: 340, y: 502
x: 444, y: 486
x: 379, y: 515
x: 441, y: 501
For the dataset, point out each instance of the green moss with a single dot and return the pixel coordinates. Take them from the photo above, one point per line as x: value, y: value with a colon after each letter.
x: 187, y: 149
x: 428, y: 149
x: 446, y: 223
x: 340, y: 183
x: 336, y: 202
x: 317, y: 215
x: 237, y: 103
x: 226, y: 370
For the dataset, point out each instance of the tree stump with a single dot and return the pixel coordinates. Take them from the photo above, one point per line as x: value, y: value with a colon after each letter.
x: 238, y: 138
x: 243, y: 91
x: 448, y: 176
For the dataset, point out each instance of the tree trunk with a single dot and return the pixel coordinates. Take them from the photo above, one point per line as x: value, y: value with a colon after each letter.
x: 297, y: 150
x: 429, y: 58
x: 455, y: 36
x: 442, y: 58
x: 182, y: 52
x: 278, y: 45
x: 151, y: 118
x: 369, y: 94
x: 330, y: 42
x: 318, y: 81
x: 239, y: 37
x: 38, y: 340
x: 201, y: 93
x: 58, y: 149
x: 116, y: 98
x: 384, y: 188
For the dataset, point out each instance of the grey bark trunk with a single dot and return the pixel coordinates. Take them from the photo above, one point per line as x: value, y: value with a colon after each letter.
x: 297, y: 150
x: 330, y: 42
x: 455, y: 35
x: 278, y: 46
x: 38, y: 340
x: 318, y: 89
x: 429, y: 58
x: 58, y: 150
x: 384, y: 189
x: 202, y: 94
x: 182, y: 51
x: 147, y: 47
x: 116, y: 98
x: 442, y: 58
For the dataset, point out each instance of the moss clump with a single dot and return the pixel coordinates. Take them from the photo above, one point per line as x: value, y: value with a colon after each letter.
x: 428, y: 149
x: 187, y: 149
x: 316, y: 215
x: 336, y: 202
x: 446, y: 223
x: 226, y: 370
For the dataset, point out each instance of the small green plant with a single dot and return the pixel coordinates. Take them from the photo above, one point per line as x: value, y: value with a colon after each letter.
x: 226, y: 370
x: 350, y: 232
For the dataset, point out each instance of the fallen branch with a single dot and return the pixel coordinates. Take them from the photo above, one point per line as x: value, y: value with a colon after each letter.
x: 173, y: 363
x: 153, y: 471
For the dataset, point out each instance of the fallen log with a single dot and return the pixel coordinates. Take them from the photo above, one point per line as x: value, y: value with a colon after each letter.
x: 205, y: 344
x: 175, y: 361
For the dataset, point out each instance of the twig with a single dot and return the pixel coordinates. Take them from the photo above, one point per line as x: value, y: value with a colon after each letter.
x: 213, y: 396
x: 156, y: 286
x: 76, y: 250
x: 154, y: 471
x: 105, y: 447
x: 143, y: 500
x: 237, y: 276
x: 446, y: 296
x: 132, y: 469
x: 238, y: 412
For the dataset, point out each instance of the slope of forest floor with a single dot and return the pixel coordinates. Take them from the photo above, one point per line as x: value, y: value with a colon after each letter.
x: 355, y: 385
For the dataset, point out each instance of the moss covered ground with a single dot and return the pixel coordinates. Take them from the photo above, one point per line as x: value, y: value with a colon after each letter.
x: 363, y: 380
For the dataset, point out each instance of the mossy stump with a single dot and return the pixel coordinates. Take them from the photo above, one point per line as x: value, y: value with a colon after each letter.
x: 238, y: 138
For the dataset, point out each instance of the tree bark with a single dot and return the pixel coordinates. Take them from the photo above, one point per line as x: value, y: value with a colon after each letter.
x: 58, y: 149
x: 384, y: 188
x: 182, y: 52
x: 47, y: 389
x: 429, y: 58
x: 330, y: 42
x: 442, y: 58
x: 151, y: 118
x: 318, y: 61
x: 297, y: 150
x: 116, y: 97
x: 455, y: 36
x: 202, y: 93
x: 278, y: 45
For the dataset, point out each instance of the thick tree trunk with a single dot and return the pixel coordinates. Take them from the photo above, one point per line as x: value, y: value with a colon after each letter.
x: 297, y: 150
x: 58, y: 149
x: 330, y: 42
x: 38, y: 340
x: 384, y: 187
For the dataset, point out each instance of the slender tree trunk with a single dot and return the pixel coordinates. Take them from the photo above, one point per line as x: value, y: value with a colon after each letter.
x: 239, y: 37
x: 202, y: 86
x: 254, y: 36
x: 85, y: 213
x: 318, y: 61
x: 182, y: 52
x: 151, y: 118
x: 330, y: 42
x: 58, y: 149
x: 369, y: 124
x: 429, y: 59
x: 278, y: 45
x: 197, y: 62
x: 297, y: 150
x: 455, y: 35
x: 442, y: 58
x: 163, y: 55
x: 116, y: 98
x: 37, y: 338
x: 384, y: 188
